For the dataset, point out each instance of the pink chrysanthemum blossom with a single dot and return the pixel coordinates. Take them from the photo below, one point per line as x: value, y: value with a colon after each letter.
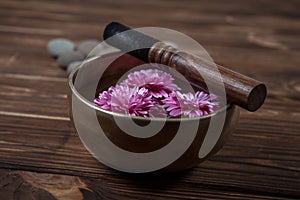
x: 189, y: 105
x: 104, y: 99
x: 158, y: 82
x: 127, y: 100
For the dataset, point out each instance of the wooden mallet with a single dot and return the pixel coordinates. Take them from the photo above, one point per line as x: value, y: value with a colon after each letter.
x: 240, y: 90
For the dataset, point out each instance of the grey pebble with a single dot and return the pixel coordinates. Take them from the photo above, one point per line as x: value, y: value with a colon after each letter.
x: 72, y: 66
x: 58, y: 46
x: 86, y: 46
x: 66, y: 58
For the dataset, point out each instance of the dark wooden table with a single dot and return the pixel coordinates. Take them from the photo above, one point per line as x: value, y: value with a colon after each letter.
x: 41, y: 156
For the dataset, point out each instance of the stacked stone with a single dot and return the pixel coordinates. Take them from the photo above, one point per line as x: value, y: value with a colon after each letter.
x: 67, y: 54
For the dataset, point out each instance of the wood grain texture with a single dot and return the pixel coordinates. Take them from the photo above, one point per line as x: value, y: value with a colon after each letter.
x: 240, y: 90
x: 32, y: 185
x: 257, y: 38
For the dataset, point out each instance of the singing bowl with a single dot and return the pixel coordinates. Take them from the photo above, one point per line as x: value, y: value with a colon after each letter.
x: 174, y: 148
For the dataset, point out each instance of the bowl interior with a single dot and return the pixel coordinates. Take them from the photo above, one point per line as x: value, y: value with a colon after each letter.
x: 98, y: 74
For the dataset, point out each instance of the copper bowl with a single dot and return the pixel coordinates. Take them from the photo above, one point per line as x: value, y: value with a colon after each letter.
x: 181, y: 143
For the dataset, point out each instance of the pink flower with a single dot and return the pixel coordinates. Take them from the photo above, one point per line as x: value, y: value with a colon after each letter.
x: 104, y: 99
x: 127, y: 100
x: 189, y: 105
x: 152, y: 93
x: 158, y: 82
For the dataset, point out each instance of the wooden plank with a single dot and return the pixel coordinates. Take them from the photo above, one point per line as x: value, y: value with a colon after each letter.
x: 28, y: 185
x: 33, y: 95
x: 219, y: 32
x: 32, y: 185
x: 233, y: 6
